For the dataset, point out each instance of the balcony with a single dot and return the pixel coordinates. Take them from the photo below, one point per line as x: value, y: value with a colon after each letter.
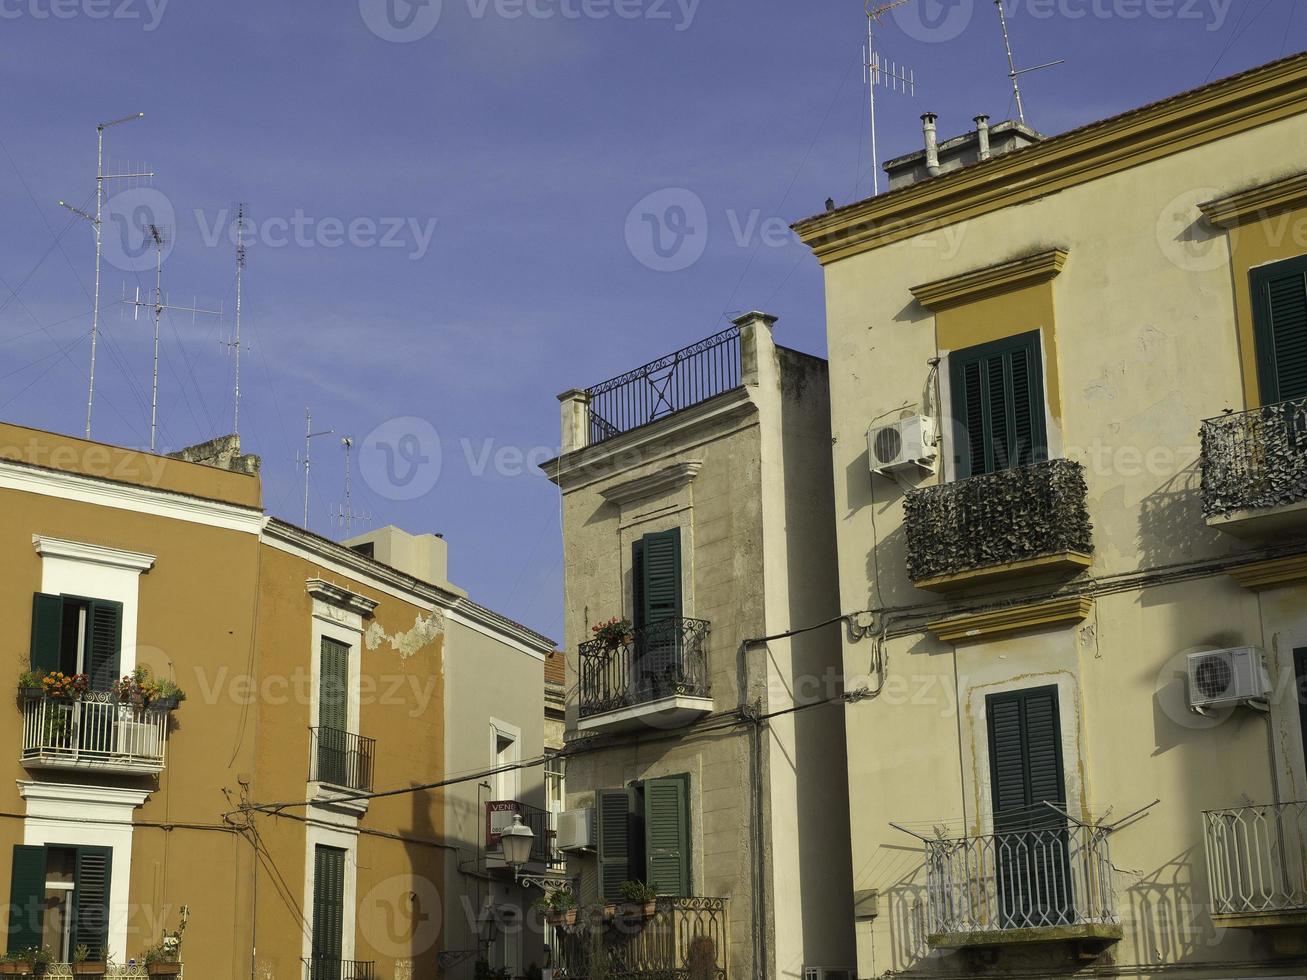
x: 325, y: 968
x: 684, y: 939
x: 1257, y: 865
x: 499, y: 815
x: 1028, y: 521
x: 1255, y: 470
x: 1052, y: 884
x: 657, y: 677
x: 96, y: 732
x: 341, y: 759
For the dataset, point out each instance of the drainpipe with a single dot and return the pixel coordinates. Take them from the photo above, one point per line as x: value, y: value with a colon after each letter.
x: 932, y: 143
x: 982, y: 136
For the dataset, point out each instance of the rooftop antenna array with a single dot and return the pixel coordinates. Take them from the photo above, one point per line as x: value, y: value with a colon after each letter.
x: 158, y: 238
x: 97, y: 222
x: 235, y: 345
x: 1015, y: 73
x: 309, y: 436
x: 877, y: 71
x: 347, y: 516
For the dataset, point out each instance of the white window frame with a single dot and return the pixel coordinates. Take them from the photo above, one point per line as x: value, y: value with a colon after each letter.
x: 345, y: 838
x: 511, y: 780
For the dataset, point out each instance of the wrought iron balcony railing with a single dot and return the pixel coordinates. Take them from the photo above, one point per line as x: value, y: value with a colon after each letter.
x: 327, y: 968
x: 997, y: 519
x: 1029, y: 879
x: 341, y: 758
x: 684, y: 939
x: 499, y: 815
x: 661, y: 660
x: 95, y: 732
x: 1254, y: 460
x: 1257, y: 858
x: 667, y: 385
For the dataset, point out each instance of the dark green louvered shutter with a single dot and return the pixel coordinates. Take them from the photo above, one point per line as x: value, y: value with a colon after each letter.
x: 47, y: 631
x: 614, y: 830
x: 91, y: 900
x: 662, y: 576
x: 998, y: 404
x: 105, y: 643
x: 667, y: 836
x: 333, y: 687
x: 1280, y: 325
x: 637, y: 584
x: 328, y: 910
x: 26, y: 898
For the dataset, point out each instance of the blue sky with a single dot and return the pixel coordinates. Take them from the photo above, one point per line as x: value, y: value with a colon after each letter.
x: 439, y: 239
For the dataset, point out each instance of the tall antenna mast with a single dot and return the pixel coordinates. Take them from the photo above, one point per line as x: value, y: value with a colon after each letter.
x: 1015, y: 73
x: 98, y: 224
x: 309, y: 436
x: 240, y: 269
x: 158, y: 238
x: 886, y: 73
x: 347, y: 514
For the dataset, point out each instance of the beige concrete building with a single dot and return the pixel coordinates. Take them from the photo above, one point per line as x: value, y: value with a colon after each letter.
x: 1067, y: 386
x: 697, y: 519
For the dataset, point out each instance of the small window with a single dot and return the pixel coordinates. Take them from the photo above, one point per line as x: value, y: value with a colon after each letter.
x: 1280, y: 326
x: 998, y: 405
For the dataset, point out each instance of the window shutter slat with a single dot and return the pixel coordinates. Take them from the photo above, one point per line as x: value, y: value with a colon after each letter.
x: 1280, y: 315
x: 26, y: 898
x: 47, y: 630
x: 105, y: 643
x: 998, y: 404
x: 328, y: 903
x: 333, y: 686
x: 91, y: 900
x: 666, y: 834
x: 1025, y: 751
x: 613, y: 832
x: 662, y: 576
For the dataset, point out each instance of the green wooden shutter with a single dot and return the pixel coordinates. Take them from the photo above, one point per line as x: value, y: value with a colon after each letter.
x: 1025, y: 757
x: 667, y: 836
x: 47, y: 631
x: 662, y: 576
x: 333, y: 686
x: 104, y: 646
x: 91, y: 900
x: 637, y: 583
x: 997, y: 391
x: 615, y: 828
x: 26, y: 898
x: 328, y: 906
x: 1280, y: 327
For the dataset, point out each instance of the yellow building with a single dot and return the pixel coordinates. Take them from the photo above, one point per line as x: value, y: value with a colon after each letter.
x: 276, y: 813
x: 1067, y: 380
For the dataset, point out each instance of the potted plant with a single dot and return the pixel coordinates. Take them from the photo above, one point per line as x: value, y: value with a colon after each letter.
x: 614, y: 634
x: 137, y: 688
x: 30, y: 685
x: 167, y: 695
x: 11, y: 965
x: 164, y: 959
x: 559, y: 907
x: 84, y: 966
x: 65, y: 687
x: 641, y: 900
x: 32, y: 961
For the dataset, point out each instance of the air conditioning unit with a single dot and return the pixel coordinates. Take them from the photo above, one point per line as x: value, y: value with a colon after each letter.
x: 1221, y: 677
x: 827, y: 973
x: 576, y: 830
x: 908, y: 442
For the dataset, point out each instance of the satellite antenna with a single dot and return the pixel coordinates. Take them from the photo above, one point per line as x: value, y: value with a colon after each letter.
x: 1015, y: 73
x: 158, y: 238
x: 877, y: 71
x: 97, y: 222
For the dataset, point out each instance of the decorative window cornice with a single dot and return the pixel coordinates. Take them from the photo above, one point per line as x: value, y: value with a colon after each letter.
x: 95, y: 554
x: 1272, y: 574
x: 1029, y: 270
x: 987, y: 626
x: 664, y: 481
x: 338, y: 595
x: 1257, y: 202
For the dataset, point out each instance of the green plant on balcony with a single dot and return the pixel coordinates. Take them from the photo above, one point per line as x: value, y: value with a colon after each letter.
x: 65, y: 687
x: 84, y: 966
x: 30, y: 684
x: 164, y: 958
x: 614, y: 634
x: 559, y: 906
x: 640, y: 898
x: 33, y: 961
x: 143, y: 690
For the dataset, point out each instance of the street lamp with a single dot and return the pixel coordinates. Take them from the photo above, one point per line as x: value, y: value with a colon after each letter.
x: 516, y: 842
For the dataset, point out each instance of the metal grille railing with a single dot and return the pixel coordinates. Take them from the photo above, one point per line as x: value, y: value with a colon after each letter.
x: 685, y: 939
x: 97, y: 731
x: 1257, y: 858
x: 1028, y: 879
x: 1255, y: 459
x: 667, y: 385
x: 661, y: 660
x: 112, y: 971
x: 341, y: 758
x: 997, y: 518
x: 499, y: 815
x: 326, y: 968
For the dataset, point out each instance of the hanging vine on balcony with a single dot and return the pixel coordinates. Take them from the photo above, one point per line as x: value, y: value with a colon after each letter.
x: 1255, y: 459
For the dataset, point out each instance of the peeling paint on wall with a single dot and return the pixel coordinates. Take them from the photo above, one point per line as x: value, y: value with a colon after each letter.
x: 426, y: 629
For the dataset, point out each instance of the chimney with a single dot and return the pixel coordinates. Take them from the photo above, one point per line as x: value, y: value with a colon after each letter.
x: 932, y: 143
x: 982, y: 137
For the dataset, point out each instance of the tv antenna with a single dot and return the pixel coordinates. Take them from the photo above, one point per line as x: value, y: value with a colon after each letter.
x: 158, y: 238
x: 98, y: 224
x: 1015, y: 73
x: 235, y: 346
x: 877, y: 71
x: 309, y: 436
x: 347, y: 516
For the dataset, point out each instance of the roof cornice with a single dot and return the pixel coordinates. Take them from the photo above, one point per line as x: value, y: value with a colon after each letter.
x: 1256, y: 98
x: 1029, y: 270
x: 1257, y: 202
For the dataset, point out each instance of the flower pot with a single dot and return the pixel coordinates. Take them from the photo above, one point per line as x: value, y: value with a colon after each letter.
x: 165, y: 704
x: 561, y: 917
x: 22, y: 969
x: 33, y: 693
x: 163, y: 969
x: 88, y: 969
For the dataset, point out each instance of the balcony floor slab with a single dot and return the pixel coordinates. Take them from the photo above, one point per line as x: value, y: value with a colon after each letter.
x: 1061, y: 563
x: 1090, y: 932
x: 1263, y: 521
x: 671, y: 712
x: 108, y: 766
